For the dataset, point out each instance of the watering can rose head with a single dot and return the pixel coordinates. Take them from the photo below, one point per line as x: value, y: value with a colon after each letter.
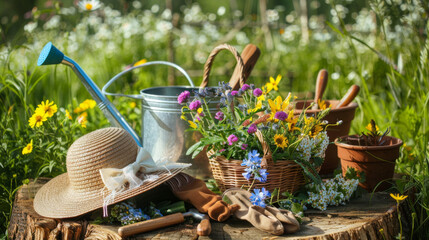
x: 249, y: 115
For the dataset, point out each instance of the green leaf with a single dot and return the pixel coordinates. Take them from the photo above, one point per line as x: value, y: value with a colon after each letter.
x: 305, y: 166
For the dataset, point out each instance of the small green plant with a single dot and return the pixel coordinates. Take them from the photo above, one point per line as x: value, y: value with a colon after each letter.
x: 373, y: 137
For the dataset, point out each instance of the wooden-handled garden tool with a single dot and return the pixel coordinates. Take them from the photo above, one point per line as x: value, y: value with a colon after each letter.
x: 350, y: 95
x: 250, y: 56
x: 203, y: 229
x: 321, y: 82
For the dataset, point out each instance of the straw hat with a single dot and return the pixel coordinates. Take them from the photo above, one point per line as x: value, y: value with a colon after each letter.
x: 80, y: 190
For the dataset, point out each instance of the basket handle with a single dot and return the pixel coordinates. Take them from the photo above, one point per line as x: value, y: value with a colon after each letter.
x: 209, y: 62
x: 267, y: 159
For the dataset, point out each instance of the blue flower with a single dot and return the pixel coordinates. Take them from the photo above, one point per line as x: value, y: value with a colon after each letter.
x: 262, y: 175
x: 253, y: 167
x: 259, y: 196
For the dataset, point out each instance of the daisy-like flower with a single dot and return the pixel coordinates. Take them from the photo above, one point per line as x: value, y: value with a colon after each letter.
x: 37, y: 119
x: 82, y: 119
x: 47, y: 107
x: 68, y: 115
x: 280, y: 141
x: 89, y: 5
x: 273, y: 84
x: 28, y: 149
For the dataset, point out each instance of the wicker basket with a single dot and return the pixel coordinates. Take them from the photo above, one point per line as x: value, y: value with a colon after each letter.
x: 285, y: 175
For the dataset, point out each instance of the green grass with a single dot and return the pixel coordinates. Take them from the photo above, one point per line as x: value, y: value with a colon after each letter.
x: 395, y: 96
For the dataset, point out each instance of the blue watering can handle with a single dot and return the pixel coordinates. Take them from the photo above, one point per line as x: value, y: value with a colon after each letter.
x: 138, y: 96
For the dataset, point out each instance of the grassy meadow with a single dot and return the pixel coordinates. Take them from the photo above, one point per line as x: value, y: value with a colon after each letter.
x: 382, y: 46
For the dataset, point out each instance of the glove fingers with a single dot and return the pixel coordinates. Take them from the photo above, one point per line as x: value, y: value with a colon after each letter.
x: 286, y: 217
x: 264, y: 220
x: 235, y: 199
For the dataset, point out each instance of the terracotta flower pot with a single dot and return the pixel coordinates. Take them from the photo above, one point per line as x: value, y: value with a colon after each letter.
x: 377, y: 162
x: 346, y: 114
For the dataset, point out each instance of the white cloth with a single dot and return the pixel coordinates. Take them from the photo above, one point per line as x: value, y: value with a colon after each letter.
x: 116, y: 179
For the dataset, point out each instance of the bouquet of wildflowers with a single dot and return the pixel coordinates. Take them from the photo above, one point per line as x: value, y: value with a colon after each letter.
x: 243, y: 114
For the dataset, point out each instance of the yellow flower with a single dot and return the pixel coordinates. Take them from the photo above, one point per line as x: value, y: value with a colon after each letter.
x: 280, y: 141
x: 199, y: 110
x: 82, y: 119
x: 68, y: 115
x: 133, y: 104
x: 48, y: 108
x: 192, y: 124
x: 322, y: 104
x: 183, y: 117
x: 143, y: 61
x: 398, y: 197
x: 371, y: 129
x: 37, y: 119
x: 257, y: 107
x: 87, y: 104
x: 316, y: 130
x: 28, y: 149
x: 273, y: 84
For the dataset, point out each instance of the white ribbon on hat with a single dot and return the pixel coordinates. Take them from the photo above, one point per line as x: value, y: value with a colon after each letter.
x: 116, y: 180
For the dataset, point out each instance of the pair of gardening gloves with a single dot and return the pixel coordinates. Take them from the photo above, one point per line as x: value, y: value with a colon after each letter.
x: 195, y: 192
x: 269, y: 219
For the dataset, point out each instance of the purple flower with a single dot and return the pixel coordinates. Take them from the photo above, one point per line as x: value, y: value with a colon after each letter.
x: 244, y: 146
x: 232, y: 139
x: 233, y: 93
x: 198, y: 118
x: 281, y: 115
x: 222, y: 150
x: 245, y: 87
x: 195, y: 105
x: 183, y: 97
x: 252, y: 129
x: 219, y: 116
x: 258, y: 197
x: 257, y: 92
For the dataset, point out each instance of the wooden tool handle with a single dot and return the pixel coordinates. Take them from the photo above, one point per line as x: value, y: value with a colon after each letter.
x: 321, y: 82
x: 150, y: 225
x: 204, y: 228
x: 350, y: 95
x: 250, y: 56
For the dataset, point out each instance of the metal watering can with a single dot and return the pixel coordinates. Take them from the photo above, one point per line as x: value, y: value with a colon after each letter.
x: 163, y: 131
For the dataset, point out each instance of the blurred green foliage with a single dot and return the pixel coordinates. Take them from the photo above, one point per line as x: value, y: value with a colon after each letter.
x: 381, y: 46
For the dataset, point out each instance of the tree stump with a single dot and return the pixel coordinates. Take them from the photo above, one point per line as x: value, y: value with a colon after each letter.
x: 362, y: 218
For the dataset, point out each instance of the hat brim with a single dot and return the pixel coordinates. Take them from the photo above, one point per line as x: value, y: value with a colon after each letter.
x: 57, y: 199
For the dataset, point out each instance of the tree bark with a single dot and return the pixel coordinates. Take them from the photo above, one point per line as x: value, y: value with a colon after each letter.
x: 362, y: 218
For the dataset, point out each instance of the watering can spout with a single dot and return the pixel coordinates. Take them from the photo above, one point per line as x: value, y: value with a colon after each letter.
x: 51, y: 55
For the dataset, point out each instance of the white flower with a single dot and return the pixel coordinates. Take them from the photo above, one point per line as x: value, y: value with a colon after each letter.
x: 89, y: 5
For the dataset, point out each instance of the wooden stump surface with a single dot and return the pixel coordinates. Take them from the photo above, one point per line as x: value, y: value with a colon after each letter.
x: 360, y: 219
